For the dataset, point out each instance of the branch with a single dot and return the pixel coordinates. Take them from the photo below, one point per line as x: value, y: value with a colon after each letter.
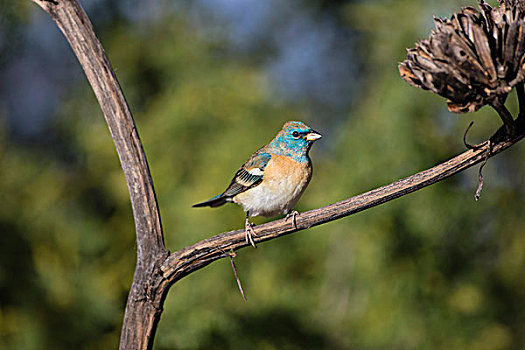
x: 156, y: 270
x: 78, y: 30
x: 189, y: 259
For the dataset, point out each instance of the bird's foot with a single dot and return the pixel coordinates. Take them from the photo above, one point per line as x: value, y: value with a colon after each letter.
x: 249, y: 232
x: 293, y: 214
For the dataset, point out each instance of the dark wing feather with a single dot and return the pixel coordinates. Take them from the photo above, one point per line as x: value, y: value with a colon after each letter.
x: 242, y: 181
x: 249, y: 175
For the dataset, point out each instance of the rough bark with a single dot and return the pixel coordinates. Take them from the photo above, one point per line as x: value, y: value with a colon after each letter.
x: 141, y: 313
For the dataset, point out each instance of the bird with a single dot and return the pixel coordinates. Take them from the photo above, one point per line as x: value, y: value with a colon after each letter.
x: 273, y: 179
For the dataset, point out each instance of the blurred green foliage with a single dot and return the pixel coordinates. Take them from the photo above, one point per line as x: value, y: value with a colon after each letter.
x: 432, y: 270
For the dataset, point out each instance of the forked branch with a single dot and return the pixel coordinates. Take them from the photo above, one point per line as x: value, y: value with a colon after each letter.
x: 156, y: 269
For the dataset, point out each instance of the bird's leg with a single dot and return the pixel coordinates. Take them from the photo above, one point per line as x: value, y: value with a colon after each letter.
x: 248, y: 231
x: 293, y: 214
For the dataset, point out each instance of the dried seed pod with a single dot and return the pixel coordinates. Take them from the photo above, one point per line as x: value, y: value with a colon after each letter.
x: 474, y: 58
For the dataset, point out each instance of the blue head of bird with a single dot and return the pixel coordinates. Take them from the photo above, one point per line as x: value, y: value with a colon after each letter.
x: 294, y: 140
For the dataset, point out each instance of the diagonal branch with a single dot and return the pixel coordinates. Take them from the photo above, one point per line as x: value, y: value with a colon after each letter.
x: 194, y: 257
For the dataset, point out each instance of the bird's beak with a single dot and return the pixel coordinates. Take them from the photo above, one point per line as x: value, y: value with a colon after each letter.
x: 312, y: 136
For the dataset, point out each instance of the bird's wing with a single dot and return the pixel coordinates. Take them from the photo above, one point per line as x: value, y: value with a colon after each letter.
x: 249, y: 175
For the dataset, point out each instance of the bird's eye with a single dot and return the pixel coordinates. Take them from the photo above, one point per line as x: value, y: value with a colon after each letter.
x: 295, y: 134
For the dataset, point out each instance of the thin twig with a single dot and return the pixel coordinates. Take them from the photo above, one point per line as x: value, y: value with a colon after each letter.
x: 468, y: 145
x: 480, y: 173
x: 475, y: 147
x: 231, y: 256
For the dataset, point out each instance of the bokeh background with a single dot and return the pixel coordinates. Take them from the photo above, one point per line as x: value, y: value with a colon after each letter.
x: 210, y: 81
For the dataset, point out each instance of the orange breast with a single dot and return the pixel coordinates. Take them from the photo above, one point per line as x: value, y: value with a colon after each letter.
x: 283, y: 184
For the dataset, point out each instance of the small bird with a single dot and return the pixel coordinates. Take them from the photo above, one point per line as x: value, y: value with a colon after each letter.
x: 273, y: 179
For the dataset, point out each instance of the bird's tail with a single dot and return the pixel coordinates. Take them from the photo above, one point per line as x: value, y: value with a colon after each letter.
x: 212, y: 202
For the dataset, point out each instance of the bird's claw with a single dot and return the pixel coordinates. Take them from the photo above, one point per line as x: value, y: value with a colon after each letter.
x: 293, y: 214
x: 249, y: 233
